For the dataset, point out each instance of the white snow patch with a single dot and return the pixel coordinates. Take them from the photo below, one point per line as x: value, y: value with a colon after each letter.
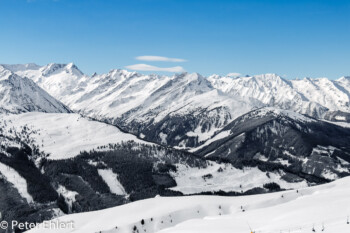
x: 18, y: 181
x: 112, y: 181
x: 163, y: 137
x: 340, y: 118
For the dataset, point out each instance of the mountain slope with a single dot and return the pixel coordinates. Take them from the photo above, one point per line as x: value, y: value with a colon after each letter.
x: 62, y: 136
x: 278, y: 139
x: 19, y: 94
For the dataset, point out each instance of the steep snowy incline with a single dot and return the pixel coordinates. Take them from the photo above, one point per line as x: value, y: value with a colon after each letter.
x: 289, y: 211
x: 19, y: 94
x: 62, y: 135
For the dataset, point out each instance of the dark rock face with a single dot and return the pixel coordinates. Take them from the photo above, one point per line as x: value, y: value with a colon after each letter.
x: 306, y: 148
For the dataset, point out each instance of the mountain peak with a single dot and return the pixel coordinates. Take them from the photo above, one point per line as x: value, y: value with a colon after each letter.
x: 57, y: 67
x: 347, y: 78
x: 51, y: 68
x: 123, y: 73
x: 72, y: 68
x: 19, y: 94
x: 268, y: 76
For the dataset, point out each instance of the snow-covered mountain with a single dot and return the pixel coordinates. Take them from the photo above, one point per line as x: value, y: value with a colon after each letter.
x: 20, y: 94
x: 308, y: 96
x: 324, y: 208
x: 147, y: 105
x: 186, y: 109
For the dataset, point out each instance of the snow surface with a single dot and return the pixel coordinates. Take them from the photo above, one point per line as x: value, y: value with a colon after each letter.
x: 17, y: 180
x: 290, y: 211
x: 64, y: 135
x: 112, y: 181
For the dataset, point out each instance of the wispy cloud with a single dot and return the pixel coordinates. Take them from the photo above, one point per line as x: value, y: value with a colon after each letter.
x: 159, y: 58
x: 31, y: 1
x: 145, y: 67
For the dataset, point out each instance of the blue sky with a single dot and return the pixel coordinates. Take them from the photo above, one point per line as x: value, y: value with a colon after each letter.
x: 290, y: 38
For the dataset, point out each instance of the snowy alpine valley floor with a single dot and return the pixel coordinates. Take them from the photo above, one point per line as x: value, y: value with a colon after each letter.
x: 324, y: 208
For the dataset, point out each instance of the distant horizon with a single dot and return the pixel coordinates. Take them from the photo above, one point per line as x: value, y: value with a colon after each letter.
x: 230, y: 74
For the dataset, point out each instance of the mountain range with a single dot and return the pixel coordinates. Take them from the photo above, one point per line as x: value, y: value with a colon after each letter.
x: 71, y: 143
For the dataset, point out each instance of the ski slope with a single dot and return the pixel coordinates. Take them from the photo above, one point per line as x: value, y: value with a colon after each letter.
x: 291, y: 211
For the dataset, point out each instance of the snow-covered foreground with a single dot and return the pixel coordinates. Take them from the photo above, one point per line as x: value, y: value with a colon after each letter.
x: 291, y: 211
x: 63, y: 135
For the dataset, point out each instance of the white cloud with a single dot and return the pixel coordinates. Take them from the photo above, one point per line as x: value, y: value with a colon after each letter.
x: 159, y: 58
x: 233, y: 74
x: 145, y: 67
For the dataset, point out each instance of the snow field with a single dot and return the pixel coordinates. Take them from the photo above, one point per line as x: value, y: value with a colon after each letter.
x: 294, y: 211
